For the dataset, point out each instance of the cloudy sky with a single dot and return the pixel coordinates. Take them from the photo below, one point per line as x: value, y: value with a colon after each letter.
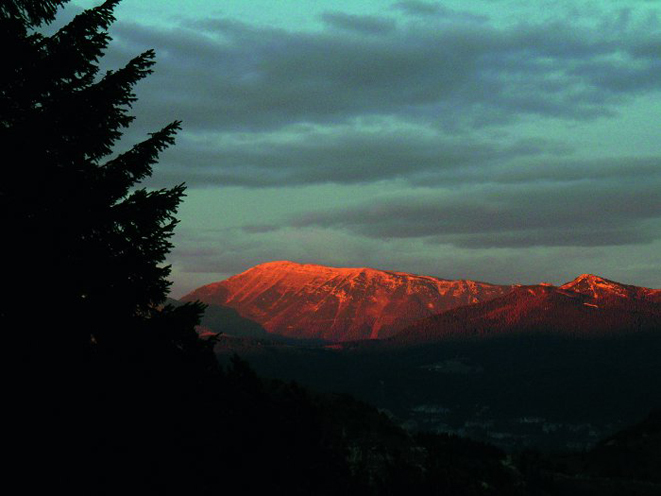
x: 505, y: 141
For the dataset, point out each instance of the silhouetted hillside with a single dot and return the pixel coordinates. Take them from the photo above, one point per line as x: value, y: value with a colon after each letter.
x: 626, y: 463
x: 168, y: 430
x: 634, y: 453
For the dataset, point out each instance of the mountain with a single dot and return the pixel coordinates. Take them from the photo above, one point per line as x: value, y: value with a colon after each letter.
x: 339, y: 304
x: 588, y: 305
x: 603, y: 289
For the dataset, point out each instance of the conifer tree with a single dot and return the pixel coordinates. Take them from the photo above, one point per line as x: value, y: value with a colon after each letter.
x: 88, y: 243
x: 106, y: 368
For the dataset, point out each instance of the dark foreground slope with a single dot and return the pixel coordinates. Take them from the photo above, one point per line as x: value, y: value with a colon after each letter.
x: 175, y: 431
x: 629, y: 462
x: 168, y: 424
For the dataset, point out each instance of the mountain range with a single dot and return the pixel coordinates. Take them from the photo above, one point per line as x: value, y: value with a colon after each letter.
x: 349, y: 304
x: 586, y: 306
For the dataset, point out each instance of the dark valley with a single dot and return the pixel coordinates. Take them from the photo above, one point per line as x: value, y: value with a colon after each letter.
x: 522, y: 367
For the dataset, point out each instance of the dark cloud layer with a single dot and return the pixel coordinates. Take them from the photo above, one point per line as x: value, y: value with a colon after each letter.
x: 403, y: 100
x: 416, y: 7
x: 347, y: 156
x: 220, y: 74
x: 435, y: 9
x: 580, y: 213
x: 371, y: 25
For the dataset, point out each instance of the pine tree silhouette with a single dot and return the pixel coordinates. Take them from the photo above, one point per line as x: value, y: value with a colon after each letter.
x: 87, y: 245
x: 87, y: 242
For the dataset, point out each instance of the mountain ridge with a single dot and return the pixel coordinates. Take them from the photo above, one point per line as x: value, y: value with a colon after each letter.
x: 587, y: 306
x: 352, y: 304
x: 598, y: 287
x: 339, y: 304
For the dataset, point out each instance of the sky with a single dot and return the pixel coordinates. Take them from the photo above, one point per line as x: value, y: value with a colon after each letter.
x: 501, y: 141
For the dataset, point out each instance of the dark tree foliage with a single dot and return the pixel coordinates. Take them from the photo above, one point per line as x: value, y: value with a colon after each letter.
x: 87, y: 246
x: 88, y: 243
x: 35, y: 12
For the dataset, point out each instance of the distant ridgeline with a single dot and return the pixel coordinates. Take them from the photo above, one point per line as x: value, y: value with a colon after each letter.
x: 349, y: 304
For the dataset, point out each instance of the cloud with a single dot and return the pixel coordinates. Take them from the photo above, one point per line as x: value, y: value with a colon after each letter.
x: 575, y: 213
x: 344, y: 155
x: 370, y: 25
x: 628, y: 171
x: 435, y: 9
x: 415, y: 7
x: 221, y: 74
x: 419, y: 101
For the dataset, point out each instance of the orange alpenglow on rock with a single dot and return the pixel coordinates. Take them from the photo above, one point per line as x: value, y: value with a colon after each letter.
x: 339, y: 304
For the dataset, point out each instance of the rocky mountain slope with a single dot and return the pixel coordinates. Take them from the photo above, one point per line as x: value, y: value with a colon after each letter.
x: 599, y: 288
x: 339, y: 304
x: 588, y: 305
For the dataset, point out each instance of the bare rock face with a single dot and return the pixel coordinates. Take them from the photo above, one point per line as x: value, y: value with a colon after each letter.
x: 600, y: 288
x: 587, y: 306
x: 339, y: 304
